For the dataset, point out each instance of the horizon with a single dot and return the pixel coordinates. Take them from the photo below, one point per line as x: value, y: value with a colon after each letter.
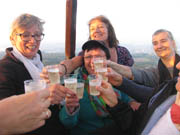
x: 59, y: 47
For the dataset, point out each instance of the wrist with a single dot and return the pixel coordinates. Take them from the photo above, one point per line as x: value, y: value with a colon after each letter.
x: 65, y: 68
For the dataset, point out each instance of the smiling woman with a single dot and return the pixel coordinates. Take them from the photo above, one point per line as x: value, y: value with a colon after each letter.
x: 23, y: 62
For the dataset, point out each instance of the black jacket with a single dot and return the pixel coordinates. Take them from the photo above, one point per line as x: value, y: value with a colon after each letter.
x: 12, y: 76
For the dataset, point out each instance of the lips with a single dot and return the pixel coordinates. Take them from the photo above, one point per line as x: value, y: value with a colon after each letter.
x: 31, y: 47
x: 97, y: 36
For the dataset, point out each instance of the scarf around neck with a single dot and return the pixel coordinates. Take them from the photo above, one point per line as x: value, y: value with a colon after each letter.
x: 34, y: 66
x: 97, y: 102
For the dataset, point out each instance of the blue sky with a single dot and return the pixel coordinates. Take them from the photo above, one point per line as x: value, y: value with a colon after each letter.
x: 134, y: 20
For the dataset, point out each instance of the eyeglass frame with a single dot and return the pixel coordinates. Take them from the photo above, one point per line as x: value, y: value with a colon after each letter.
x: 30, y: 36
x: 93, y: 56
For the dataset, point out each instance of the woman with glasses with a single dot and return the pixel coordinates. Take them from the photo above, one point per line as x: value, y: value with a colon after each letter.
x: 23, y: 61
x: 84, y: 116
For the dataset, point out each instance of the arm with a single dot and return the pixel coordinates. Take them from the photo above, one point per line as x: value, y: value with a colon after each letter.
x: 121, y: 69
x: 72, y: 64
x: 148, y: 77
x: 69, y: 113
x: 19, y: 115
x: 132, y: 89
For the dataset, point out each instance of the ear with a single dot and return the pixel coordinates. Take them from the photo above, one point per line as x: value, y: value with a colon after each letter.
x: 12, y: 39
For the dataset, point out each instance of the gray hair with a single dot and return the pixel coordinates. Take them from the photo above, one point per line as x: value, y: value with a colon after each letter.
x: 163, y: 30
x: 25, y: 21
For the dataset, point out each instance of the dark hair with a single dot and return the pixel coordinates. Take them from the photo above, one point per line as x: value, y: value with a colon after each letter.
x: 94, y: 44
x: 112, y: 40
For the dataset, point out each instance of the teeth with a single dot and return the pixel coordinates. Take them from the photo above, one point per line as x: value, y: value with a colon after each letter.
x: 31, y: 47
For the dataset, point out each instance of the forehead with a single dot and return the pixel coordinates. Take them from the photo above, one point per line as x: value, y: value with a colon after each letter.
x: 33, y: 28
x: 159, y: 36
x: 97, y: 51
x: 97, y: 22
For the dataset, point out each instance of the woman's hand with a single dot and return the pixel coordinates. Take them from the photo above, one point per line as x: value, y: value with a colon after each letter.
x: 72, y: 101
x: 25, y: 112
x: 57, y: 93
x: 114, y: 78
x: 134, y: 105
x: 44, y: 75
x: 108, y: 94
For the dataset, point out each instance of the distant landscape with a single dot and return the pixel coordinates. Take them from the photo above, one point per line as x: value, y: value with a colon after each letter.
x: 53, y: 53
x: 142, y: 60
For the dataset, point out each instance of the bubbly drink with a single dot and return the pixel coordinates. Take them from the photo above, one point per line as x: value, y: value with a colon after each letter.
x: 98, y: 64
x: 102, y: 72
x: 31, y: 85
x: 92, y: 85
x: 71, y: 83
x: 54, y: 76
x: 80, y: 90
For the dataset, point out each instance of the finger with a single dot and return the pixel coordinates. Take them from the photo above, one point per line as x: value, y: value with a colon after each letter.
x: 100, y: 89
x: 57, y: 92
x: 47, y: 103
x: 45, y: 114
x: 62, y: 88
x: 104, y: 84
x: 70, y: 92
x: 44, y: 94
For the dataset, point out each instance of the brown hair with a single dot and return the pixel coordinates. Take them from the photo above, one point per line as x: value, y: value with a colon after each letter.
x: 112, y: 40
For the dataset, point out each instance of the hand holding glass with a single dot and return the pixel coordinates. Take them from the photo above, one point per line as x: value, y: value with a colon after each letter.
x: 80, y: 89
x: 102, y: 72
x: 98, y: 63
x: 53, y: 74
x: 70, y: 81
x: 30, y: 85
x: 94, y: 81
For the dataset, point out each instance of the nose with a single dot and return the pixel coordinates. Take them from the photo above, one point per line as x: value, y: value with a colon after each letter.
x: 32, y: 39
x: 159, y: 45
x: 97, y: 29
x: 92, y: 62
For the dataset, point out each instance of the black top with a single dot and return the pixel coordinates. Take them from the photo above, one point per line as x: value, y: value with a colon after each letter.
x: 12, y: 76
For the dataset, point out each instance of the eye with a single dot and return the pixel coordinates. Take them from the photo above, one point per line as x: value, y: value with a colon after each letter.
x: 92, y: 29
x: 163, y: 40
x: 37, y: 35
x: 154, y: 43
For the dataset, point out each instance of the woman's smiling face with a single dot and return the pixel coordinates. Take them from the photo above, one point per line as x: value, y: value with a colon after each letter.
x: 27, y: 48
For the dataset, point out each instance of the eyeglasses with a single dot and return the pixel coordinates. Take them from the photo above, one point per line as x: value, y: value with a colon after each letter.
x: 91, y: 56
x: 27, y: 37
